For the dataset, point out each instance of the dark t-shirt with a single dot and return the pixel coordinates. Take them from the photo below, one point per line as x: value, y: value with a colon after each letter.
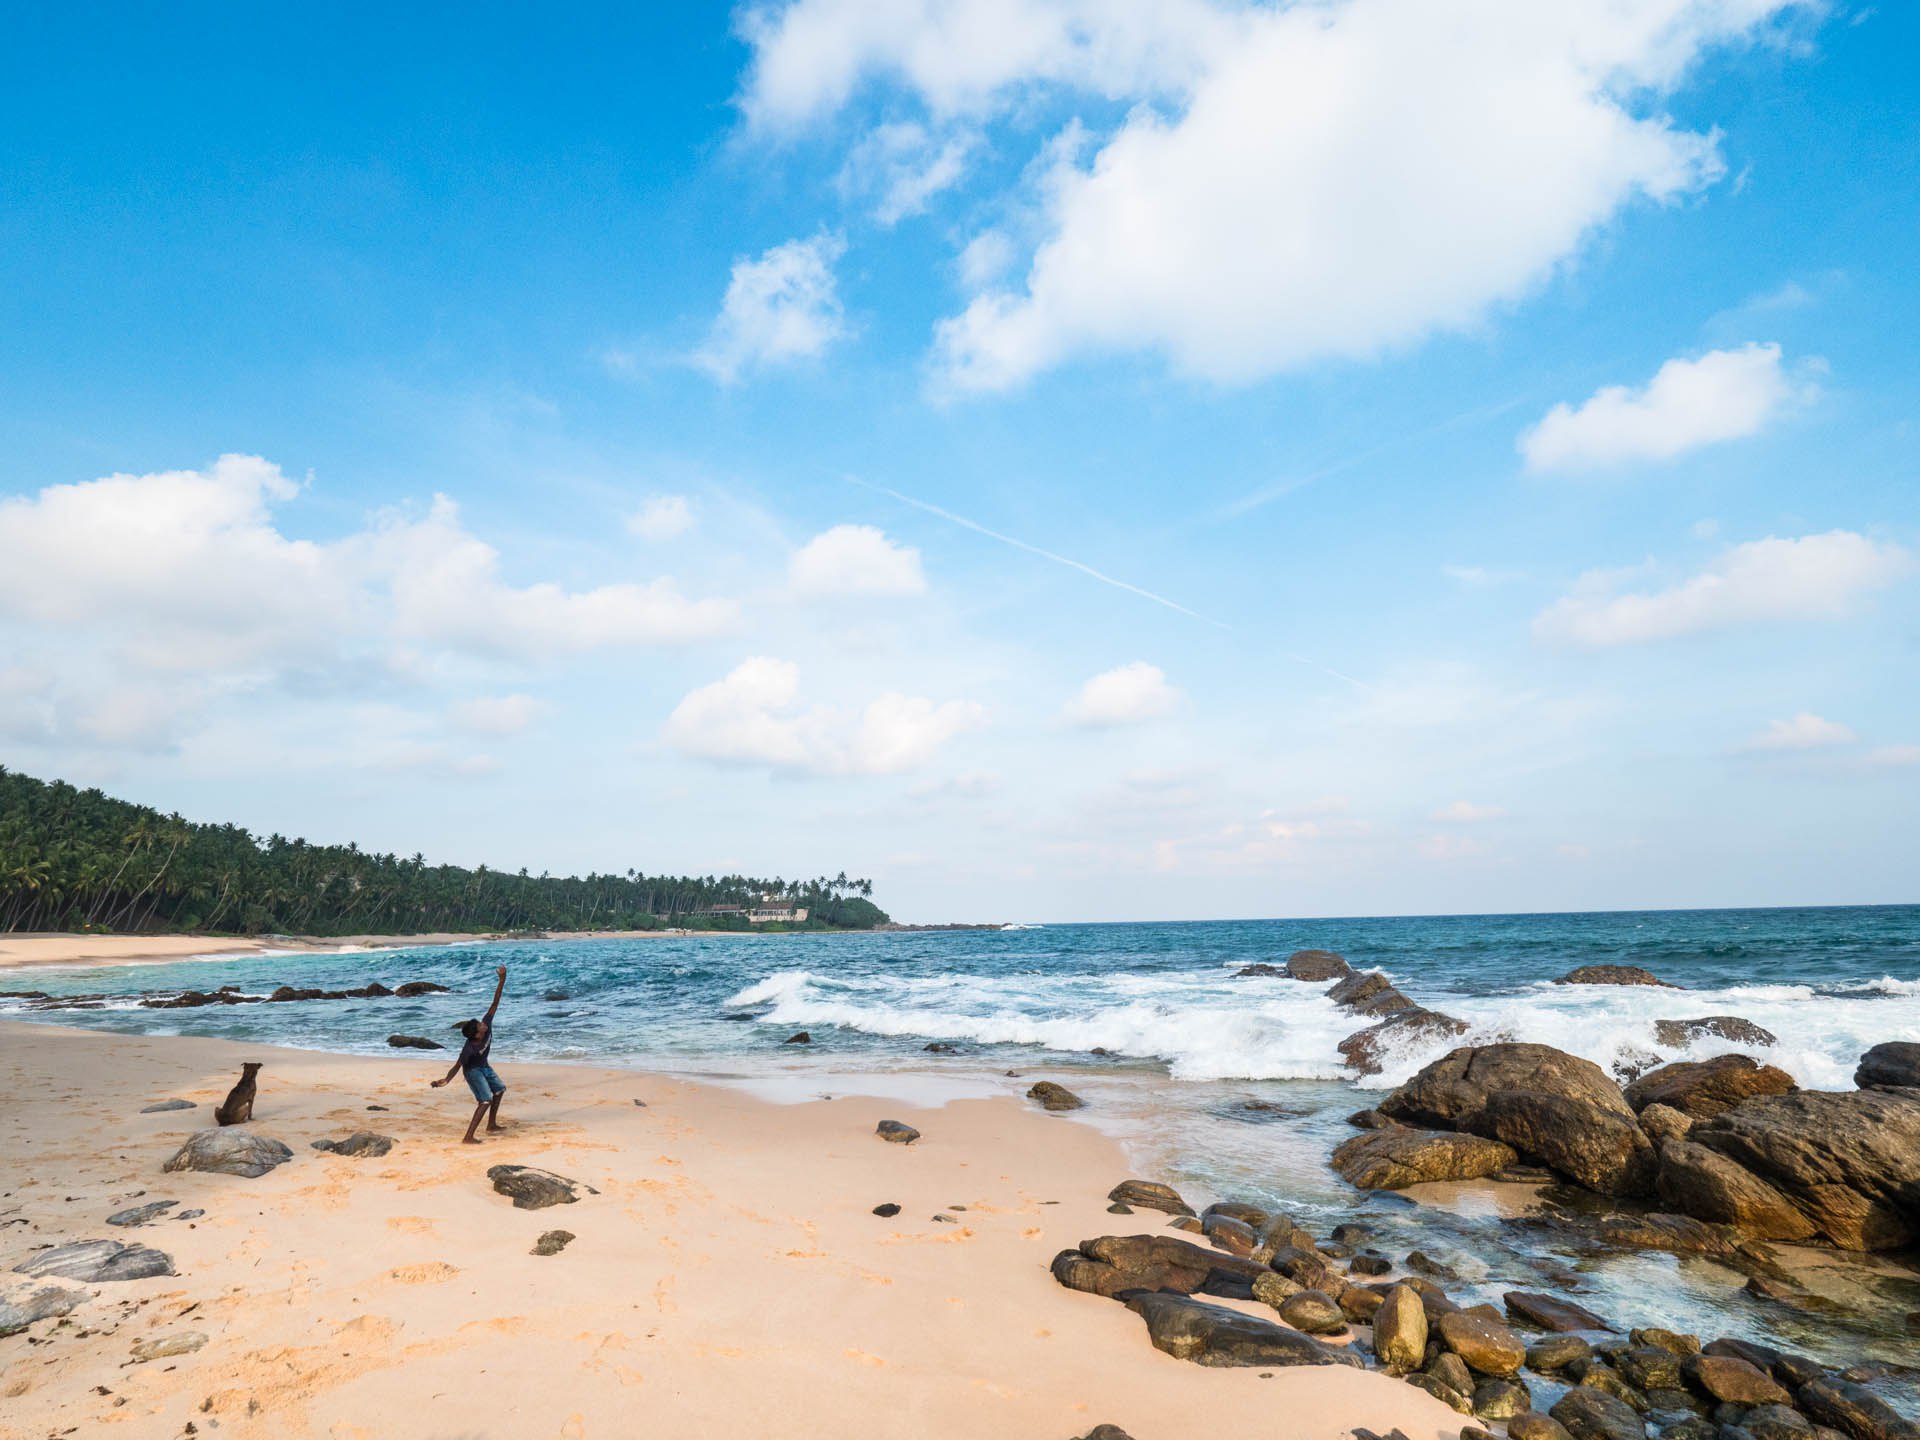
x: 474, y: 1053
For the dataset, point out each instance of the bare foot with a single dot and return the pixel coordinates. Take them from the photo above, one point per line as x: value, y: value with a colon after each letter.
x: 468, y: 1140
x: 496, y: 1129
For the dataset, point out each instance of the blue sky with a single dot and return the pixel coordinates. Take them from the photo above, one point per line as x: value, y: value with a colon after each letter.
x: 1062, y: 459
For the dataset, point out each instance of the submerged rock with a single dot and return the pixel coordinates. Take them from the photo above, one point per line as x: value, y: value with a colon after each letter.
x: 1216, y: 1336
x: 1259, y: 971
x: 1613, y: 975
x: 1054, y: 1097
x: 1366, y: 1050
x: 532, y: 1189
x: 95, y: 1262
x: 1396, y: 1158
x: 1706, y: 1088
x: 229, y: 1152
x: 419, y: 987
x: 799, y: 1037
x: 1896, y: 1062
x: 1676, y: 1033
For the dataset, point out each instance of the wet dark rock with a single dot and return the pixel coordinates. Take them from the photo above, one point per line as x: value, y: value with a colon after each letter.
x: 1675, y: 1034
x: 1366, y: 1050
x: 1526, y: 1175
x: 1487, y: 1346
x: 413, y: 1042
x: 1676, y: 1234
x: 552, y: 1242
x: 1737, y: 1381
x: 1216, y: 1336
x: 1550, y: 1312
x: 1672, y: 1341
x: 1236, y: 1237
x: 1696, y: 1428
x: 1424, y: 1264
x: 1555, y: 1353
x: 1054, y: 1097
x: 161, y: 1106
x: 1400, y: 1329
x: 95, y: 1262
x: 1260, y: 971
x: 896, y: 1132
x: 1149, y: 1195
x: 44, y: 1302
x: 1613, y: 975
x: 1648, y: 1368
x: 1533, y: 1425
x: 1369, y: 1265
x: 229, y: 1152
x: 1450, y: 1370
x: 1441, y: 1391
x: 1251, y: 1111
x: 1111, y: 1264
x: 1118, y: 1209
x: 189, y: 1214
x: 1706, y: 1088
x: 1360, y: 1304
x: 1182, y: 1222
x: 1395, y: 1158
x: 1855, y: 1410
x: 941, y: 1047
x: 886, y: 1211
x: 1252, y: 1216
x: 1667, y: 1405
x: 419, y: 987
x: 1368, y: 993
x: 1663, y: 1123
x: 1370, y: 1120
x: 532, y: 1189
x: 1313, y: 1312
x: 1776, y: 1422
x: 1590, y: 1414
x: 1793, y: 1371
x: 1609, y: 1381
x: 1896, y: 1062
x: 554, y: 997
x: 1317, y: 966
x: 141, y: 1214
x: 1501, y: 1399
x: 358, y: 1144
x: 799, y: 1037
x: 1273, y: 1288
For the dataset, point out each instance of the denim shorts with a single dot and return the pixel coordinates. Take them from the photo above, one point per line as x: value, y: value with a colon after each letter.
x: 485, y: 1084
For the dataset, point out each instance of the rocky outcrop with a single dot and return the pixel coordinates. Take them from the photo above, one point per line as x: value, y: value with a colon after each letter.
x: 419, y: 987
x: 1317, y: 966
x: 1368, y: 992
x: 1708, y: 1186
x: 229, y: 1152
x: 1366, y: 1050
x: 95, y: 1262
x: 1113, y: 1264
x: 1613, y: 975
x: 532, y: 1189
x: 1706, y: 1088
x: 1396, y: 1158
x: 1896, y: 1062
x: 1663, y: 1123
x: 1216, y: 1336
x: 361, y: 1142
x: 1677, y: 1033
x: 44, y: 1302
x: 896, y: 1132
x: 1856, y: 1410
x: 413, y: 1042
x: 1259, y: 971
x: 1050, y: 1096
x: 1592, y: 1414
x: 1149, y: 1195
x: 1596, y: 1148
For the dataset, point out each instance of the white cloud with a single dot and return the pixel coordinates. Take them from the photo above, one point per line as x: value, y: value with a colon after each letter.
x: 755, y: 716
x: 856, y: 560
x: 1125, y: 695
x: 1290, y: 182
x: 1817, y: 577
x: 1803, y: 732
x: 781, y: 307
x: 1724, y: 395
x: 904, y: 165
x: 495, y: 714
x: 1465, y: 812
x: 661, y: 517
x: 985, y: 259
x: 1894, y: 755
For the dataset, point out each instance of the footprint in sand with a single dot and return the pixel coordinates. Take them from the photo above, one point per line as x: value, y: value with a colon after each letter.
x: 410, y: 1224
x: 434, y: 1272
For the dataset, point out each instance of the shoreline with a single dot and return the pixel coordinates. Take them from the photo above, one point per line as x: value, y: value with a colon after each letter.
x: 728, y: 1271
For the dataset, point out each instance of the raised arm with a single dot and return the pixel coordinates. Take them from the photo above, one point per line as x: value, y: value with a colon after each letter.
x: 498, y: 991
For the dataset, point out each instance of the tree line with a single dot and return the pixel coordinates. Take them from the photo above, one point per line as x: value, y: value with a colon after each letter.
x: 73, y: 859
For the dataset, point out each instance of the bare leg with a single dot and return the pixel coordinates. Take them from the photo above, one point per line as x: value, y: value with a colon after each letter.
x: 493, y: 1114
x: 474, y: 1125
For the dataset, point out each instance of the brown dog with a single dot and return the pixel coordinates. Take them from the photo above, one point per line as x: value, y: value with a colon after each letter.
x: 239, y: 1107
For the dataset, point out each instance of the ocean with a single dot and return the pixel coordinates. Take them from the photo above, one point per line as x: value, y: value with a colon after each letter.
x: 1229, y: 1087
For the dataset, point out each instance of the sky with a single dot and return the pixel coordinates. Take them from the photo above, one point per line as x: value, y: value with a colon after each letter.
x: 1063, y: 459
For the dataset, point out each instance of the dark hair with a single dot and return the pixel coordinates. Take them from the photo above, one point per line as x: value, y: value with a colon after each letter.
x: 468, y: 1028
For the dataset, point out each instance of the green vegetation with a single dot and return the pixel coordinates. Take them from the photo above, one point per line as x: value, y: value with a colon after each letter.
x: 77, y: 859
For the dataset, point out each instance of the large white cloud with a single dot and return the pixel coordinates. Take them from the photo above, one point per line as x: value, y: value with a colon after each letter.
x: 856, y: 560
x: 1723, y: 395
x: 1816, y: 577
x: 1128, y: 694
x: 1299, y: 182
x: 780, y: 307
x: 755, y: 717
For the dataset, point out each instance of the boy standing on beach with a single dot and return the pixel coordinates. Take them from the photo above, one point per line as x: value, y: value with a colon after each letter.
x: 481, y: 1078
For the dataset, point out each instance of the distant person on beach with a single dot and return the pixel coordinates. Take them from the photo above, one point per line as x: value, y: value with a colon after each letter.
x: 481, y: 1078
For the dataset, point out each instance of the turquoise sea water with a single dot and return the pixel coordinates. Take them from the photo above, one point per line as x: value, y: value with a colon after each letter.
x: 1228, y: 1086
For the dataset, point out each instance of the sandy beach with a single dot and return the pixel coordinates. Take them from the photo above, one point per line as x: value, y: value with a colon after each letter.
x: 728, y: 1276
x: 25, y: 950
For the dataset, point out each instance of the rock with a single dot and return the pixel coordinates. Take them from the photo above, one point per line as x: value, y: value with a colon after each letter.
x: 1857, y: 1411
x: 552, y: 1242
x: 895, y: 1132
x: 1105, y: 1432
x: 1532, y: 1425
x: 361, y: 1142
x: 1776, y: 1422
x: 413, y: 1042
x: 1555, y: 1353
x: 1367, y: 1050
x: 1500, y: 1399
x: 1895, y: 1062
x: 1236, y: 1237
x: 1845, y: 1161
x: 554, y: 997
x: 1395, y: 1158
x: 1726, y: 1377
x: 1149, y: 1195
x: 1663, y: 1123
x: 162, y: 1347
x: 800, y: 1037
x: 189, y: 1215
x: 940, y: 1047
x: 1400, y: 1330
x: 141, y: 1214
x: 1360, y: 1304
x: 1613, y: 975
x: 1676, y: 1234
x: 1317, y: 966
x: 1275, y: 1289
x: 95, y: 1262
x: 1368, y: 993
x: 164, y: 1105
x: 1260, y: 971
x: 1596, y: 1148
x: 1550, y: 1312
x: 532, y: 1189
x: 1110, y: 1264
x: 1672, y: 1341
x: 1677, y: 1033
x: 1178, y: 1222
x: 1313, y: 1312
x: 1706, y: 1088
x: 1486, y: 1345
x: 1054, y: 1097
x: 1216, y: 1336
x: 229, y: 1152
x: 1371, y: 1120
x: 1608, y: 1381
x: 1440, y: 1391
x: 419, y: 987
x: 1589, y: 1414
x: 1250, y: 1215
x: 1118, y: 1209
x: 1648, y: 1368
x: 1369, y: 1265
x: 45, y: 1302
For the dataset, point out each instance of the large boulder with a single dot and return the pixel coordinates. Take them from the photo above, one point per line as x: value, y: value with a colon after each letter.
x: 1400, y: 1330
x: 1896, y: 1062
x: 1663, y: 1123
x: 1613, y: 975
x: 1599, y: 1149
x: 1149, y: 1195
x: 1856, y: 1410
x: 1736, y: 1381
x: 532, y: 1189
x: 1367, y: 1050
x: 1848, y: 1161
x: 1368, y: 992
x: 1111, y: 1264
x: 229, y: 1152
x: 1488, y: 1347
x: 1591, y: 1414
x: 1317, y: 966
x: 1706, y: 1088
x: 1396, y: 1158
x: 1677, y: 1033
x: 1051, y: 1096
x: 95, y: 1261
x: 1708, y: 1186
x: 1216, y: 1336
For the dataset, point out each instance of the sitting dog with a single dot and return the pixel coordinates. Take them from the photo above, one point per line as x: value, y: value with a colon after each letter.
x: 238, y: 1109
